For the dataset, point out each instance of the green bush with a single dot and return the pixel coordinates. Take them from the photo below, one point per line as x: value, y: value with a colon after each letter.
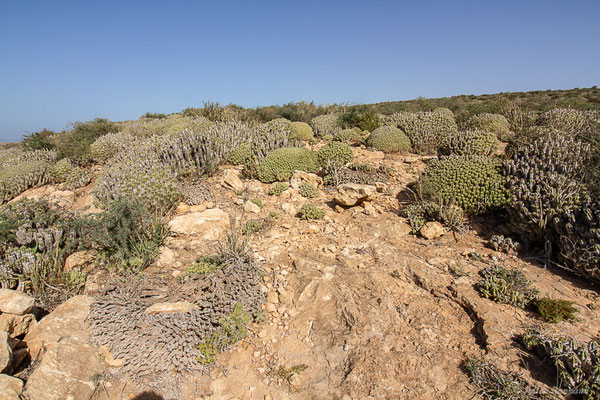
x: 334, y: 155
x: 506, y: 286
x: 203, y: 266
x: 427, y: 130
x: 453, y: 217
x: 278, y: 188
x: 389, y: 139
x: 257, y: 202
x: 280, y: 164
x: 17, y: 178
x: 553, y: 310
x: 252, y: 226
x: 232, y: 329
x: 347, y: 135
x: 59, y: 172
x: 309, y: 190
x: 127, y: 236
x: 494, y: 123
x: 77, y: 178
x: 472, y: 183
x: 240, y: 155
x: 467, y: 143
x: 107, y: 146
x: 364, y: 120
x: 301, y: 131
x: 75, y: 144
x: 42, y: 140
x: 310, y: 211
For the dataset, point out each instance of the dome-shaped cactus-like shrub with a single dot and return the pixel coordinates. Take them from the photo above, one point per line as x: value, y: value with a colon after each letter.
x: 23, y: 175
x: 77, y: 178
x: 301, y: 131
x: 389, y: 139
x: 107, y: 146
x: 280, y: 164
x: 241, y: 155
x: 473, y: 183
x: 269, y: 136
x: 334, y: 155
x: 59, y: 172
x: 466, y: 143
x: 427, y: 130
x: 326, y: 124
x: 347, y: 135
x: 494, y: 123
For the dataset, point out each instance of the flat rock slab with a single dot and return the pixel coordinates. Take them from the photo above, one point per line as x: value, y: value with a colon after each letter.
x: 67, y: 370
x: 6, y: 353
x: 15, y: 302
x: 351, y: 194
x: 209, y: 225
x: 180, y: 306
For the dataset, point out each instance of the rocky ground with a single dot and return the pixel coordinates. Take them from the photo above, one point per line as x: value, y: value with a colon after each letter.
x: 357, y: 306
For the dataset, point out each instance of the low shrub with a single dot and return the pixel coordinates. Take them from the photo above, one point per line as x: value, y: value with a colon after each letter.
x: 503, y: 244
x: 280, y: 164
x: 310, y: 211
x: 554, y: 310
x: 75, y: 144
x: 16, y: 178
x: 240, y: 155
x: 252, y: 226
x: 364, y: 120
x: 389, y: 139
x: 278, y: 188
x: 334, y: 155
x: 301, y: 131
x: 42, y: 140
x: 450, y: 215
x: 77, y: 178
x: 232, y: 329
x: 203, y: 266
x: 107, y: 146
x: 494, y: 123
x: 309, y: 190
x: 506, y: 286
x: 347, y: 135
x: 326, y: 124
x: 257, y: 201
x: 467, y: 143
x: 427, y: 130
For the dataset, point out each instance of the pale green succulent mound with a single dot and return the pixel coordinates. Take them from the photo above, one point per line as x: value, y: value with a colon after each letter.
x: 467, y: 143
x: 278, y: 188
x: 326, y: 124
x: 310, y: 211
x: 473, y: 183
x: 301, y: 131
x: 280, y: 164
x: 241, y: 155
x: 335, y: 155
x: 77, y: 178
x: 494, y: 123
x: 309, y: 190
x: 347, y: 135
x: 107, y: 146
x: 426, y: 130
x: 506, y: 286
x: 16, y: 178
x: 389, y: 139
x: 59, y: 172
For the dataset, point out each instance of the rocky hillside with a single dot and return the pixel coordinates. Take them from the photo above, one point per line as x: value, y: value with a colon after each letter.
x: 351, y: 265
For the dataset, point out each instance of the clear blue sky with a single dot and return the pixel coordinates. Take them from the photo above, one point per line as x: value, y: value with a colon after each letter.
x: 67, y: 61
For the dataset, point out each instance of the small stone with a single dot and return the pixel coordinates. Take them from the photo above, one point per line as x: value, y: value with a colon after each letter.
x: 232, y: 180
x: 251, y: 207
x: 381, y: 187
x: 432, y: 230
x: 351, y: 194
x: 272, y: 298
x: 262, y: 333
x: 78, y: 261
x: 312, y: 228
x: 238, y: 202
x: 369, y: 209
x: 286, y: 226
x: 15, y: 302
x: 256, y: 354
x: 288, y: 208
x: 339, y: 208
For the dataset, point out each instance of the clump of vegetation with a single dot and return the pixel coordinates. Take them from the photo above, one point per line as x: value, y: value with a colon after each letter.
x: 280, y: 164
x: 389, y: 139
x: 494, y: 123
x: 240, y: 155
x: 450, y: 215
x: 21, y: 175
x: 494, y: 384
x: 301, y: 131
x: 75, y: 144
x: 364, y: 120
x: 347, y: 135
x: 466, y: 143
x: 77, y: 178
x: 308, y: 190
x: 473, y: 183
x: 555, y: 310
x: 287, y: 373
x: 42, y: 140
x: 427, y: 130
x: 59, y: 172
x: 504, y: 244
x: 203, y: 266
x: 252, y: 226
x: 151, y: 115
x: 506, y: 286
x: 310, y: 211
x: 326, y: 124
x: 257, y: 201
x: 232, y: 329
x: 107, y: 146
x: 334, y: 155
x: 278, y: 188
x: 127, y: 236
x: 577, y: 364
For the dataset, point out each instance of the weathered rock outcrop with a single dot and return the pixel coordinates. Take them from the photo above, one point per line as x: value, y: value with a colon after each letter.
x: 351, y: 194
x: 208, y: 225
x: 15, y: 302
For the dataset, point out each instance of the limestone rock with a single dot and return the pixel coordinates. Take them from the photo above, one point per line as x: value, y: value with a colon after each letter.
x: 209, y: 224
x: 15, y: 302
x: 251, y: 207
x: 167, y: 307
x: 15, y: 324
x: 351, y: 194
x: 62, y: 198
x: 432, y: 230
x: 10, y: 387
x: 166, y: 256
x: 288, y: 208
x: 232, y: 180
x: 301, y: 177
x: 68, y: 319
x: 78, y: 261
x: 67, y: 370
x: 6, y: 353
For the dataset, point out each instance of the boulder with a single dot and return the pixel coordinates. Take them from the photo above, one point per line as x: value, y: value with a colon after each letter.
x: 62, y: 198
x: 209, y: 225
x: 432, y: 230
x: 6, y: 354
x: 251, y: 207
x: 10, y: 387
x: 167, y: 307
x: 78, y: 261
x: 301, y: 177
x: 69, y: 369
x: 166, y: 257
x: 15, y: 302
x: 67, y: 320
x: 15, y: 324
x: 232, y: 180
x: 351, y: 194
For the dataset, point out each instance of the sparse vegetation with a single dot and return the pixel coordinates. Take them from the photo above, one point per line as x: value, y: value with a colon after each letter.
x: 506, y: 286
x: 554, y: 310
x: 310, y: 211
x: 308, y: 190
